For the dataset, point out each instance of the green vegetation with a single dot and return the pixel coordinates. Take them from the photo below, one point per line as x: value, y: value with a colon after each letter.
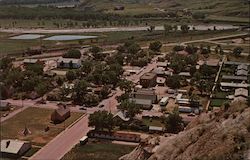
x: 173, y: 122
x: 36, y: 120
x: 102, y: 120
x: 98, y: 151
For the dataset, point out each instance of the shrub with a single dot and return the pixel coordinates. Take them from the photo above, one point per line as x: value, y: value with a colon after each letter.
x: 72, y: 54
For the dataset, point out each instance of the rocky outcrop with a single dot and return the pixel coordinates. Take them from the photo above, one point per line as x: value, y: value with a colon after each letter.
x: 216, y: 135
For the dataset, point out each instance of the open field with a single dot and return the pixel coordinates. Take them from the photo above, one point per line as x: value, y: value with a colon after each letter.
x: 9, y: 46
x: 36, y: 120
x: 98, y: 151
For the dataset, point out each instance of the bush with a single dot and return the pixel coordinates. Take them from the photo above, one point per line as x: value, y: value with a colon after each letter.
x: 155, y: 46
x: 72, y: 54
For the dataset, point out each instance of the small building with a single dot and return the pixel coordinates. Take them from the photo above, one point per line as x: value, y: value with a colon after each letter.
x: 168, y: 73
x: 14, y: 148
x: 184, y: 74
x: 4, y: 106
x: 234, y: 78
x: 148, y: 94
x: 241, y: 72
x: 212, y: 62
x: 121, y: 117
x: 241, y: 92
x: 119, y: 8
x: 68, y: 63
x: 160, y: 71
x: 161, y: 81
x: 162, y: 64
x: 142, y: 103
x: 155, y: 129
x: 148, y: 80
x: 242, y: 67
x: 60, y: 114
x: 30, y: 61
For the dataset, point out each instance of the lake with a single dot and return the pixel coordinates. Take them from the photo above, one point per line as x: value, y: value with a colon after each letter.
x: 27, y: 36
x: 68, y: 37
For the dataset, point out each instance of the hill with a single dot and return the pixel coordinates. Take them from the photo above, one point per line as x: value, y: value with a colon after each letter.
x: 214, y: 136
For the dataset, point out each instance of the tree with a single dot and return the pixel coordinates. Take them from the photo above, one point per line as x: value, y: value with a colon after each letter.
x: 70, y: 64
x: 35, y: 68
x: 237, y: 51
x: 80, y: 89
x: 174, y: 123
x: 184, y: 28
x: 174, y: 82
x: 41, y: 89
x: 192, y: 70
x: 87, y: 66
x: 71, y: 75
x: 155, y: 46
x: 130, y: 108
x: 90, y: 99
x: 167, y: 28
x: 73, y: 53
x: 95, y: 49
x: 125, y: 85
x: 133, y: 48
x: 101, y: 120
x: 105, y: 91
x: 5, y: 62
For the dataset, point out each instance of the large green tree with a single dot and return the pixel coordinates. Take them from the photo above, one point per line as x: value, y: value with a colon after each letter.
x: 101, y: 120
x: 130, y: 108
x: 174, y: 123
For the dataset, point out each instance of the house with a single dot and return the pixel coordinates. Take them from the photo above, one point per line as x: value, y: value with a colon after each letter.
x: 30, y: 61
x: 234, y: 85
x: 145, y: 94
x: 4, y: 106
x: 185, y: 74
x: 148, y: 80
x: 168, y: 73
x: 142, y: 103
x: 162, y: 64
x: 160, y: 71
x: 161, y: 81
x: 234, y: 78
x: 241, y: 92
x: 60, y: 114
x: 242, y: 67
x: 14, y: 148
x: 68, y: 63
x: 121, y: 117
x: 235, y: 63
x: 241, y: 72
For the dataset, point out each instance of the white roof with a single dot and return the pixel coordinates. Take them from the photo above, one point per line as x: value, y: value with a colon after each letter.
x: 160, y: 80
x: 13, y: 147
x: 184, y: 74
x: 241, y: 92
x: 155, y: 128
x: 235, y: 85
x: 141, y: 101
x: 67, y: 60
x: 242, y: 72
x: 242, y: 66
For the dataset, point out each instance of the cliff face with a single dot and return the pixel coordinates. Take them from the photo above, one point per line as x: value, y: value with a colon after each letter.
x: 221, y: 135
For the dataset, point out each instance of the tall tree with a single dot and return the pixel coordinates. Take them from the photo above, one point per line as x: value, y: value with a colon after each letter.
x: 174, y: 123
x: 130, y: 108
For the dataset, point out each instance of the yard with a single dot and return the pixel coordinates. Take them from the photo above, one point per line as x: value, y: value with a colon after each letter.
x: 218, y: 102
x: 152, y: 122
x: 98, y: 151
x: 36, y: 120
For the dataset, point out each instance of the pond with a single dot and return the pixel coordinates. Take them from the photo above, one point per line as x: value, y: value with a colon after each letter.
x: 27, y: 36
x: 68, y: 37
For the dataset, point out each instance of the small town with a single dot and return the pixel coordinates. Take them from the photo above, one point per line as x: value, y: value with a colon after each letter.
x: 124, y: 81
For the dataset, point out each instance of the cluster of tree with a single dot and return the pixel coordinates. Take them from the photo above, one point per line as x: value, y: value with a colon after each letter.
x: 74, y: 53
x: 129, y: 108
x: 173, y: 122
x: 15, y: 81
x: 102, y: 120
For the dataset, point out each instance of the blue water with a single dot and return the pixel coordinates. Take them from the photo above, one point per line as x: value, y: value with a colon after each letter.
x: 27, y: 36
x: 68, y: 37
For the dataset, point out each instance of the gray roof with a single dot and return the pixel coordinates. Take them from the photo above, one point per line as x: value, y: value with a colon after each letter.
x: 187, y: 74
x: 13, y: 147
x: 234, y: 85
x: 149, y: 75
x: 145, y: 92
x: 235, y: 63
x: 155, y: 128
x: 30, y: 60
x: 243, y: 78
x: 141, y: 101
x: 242, y: 72
x: 67, y: 60
x: 121, y: 115
x: 242, y: 66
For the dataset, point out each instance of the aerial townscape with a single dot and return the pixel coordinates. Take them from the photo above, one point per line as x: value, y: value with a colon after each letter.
x: 125, y: 79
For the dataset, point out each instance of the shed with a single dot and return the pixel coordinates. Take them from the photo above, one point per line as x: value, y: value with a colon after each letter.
x: 143, y: 103
x: 241, y: 72
x: 60, y: 114
x: 228, y: 77
x: 14, y: 148
x: 155, y: 129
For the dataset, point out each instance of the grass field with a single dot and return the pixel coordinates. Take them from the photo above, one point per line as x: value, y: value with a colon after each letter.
x: 36, y: 120
x: 104, y: 150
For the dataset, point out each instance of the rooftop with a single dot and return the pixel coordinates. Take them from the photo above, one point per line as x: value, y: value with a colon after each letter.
x: 145, y: 92
x: 148, y: 75
x: 30, y: 60
x: 11, y: 146
x: 67, y: 60
x: 141, y: 101
x: 241, y: 92
x: 243, y: 78
x: 234, y: 85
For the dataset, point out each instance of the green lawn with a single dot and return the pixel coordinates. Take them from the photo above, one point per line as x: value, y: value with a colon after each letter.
x: 218, y: 102
x: 98, y: 151
x: 152, y: 122
x: 36, y: 120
